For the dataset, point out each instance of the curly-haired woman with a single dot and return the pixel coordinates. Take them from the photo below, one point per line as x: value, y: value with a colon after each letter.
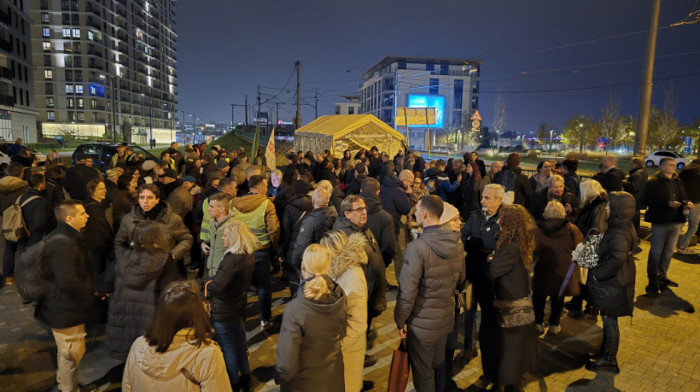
x: 516, y: 349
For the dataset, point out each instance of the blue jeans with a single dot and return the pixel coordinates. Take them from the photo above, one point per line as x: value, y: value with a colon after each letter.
x: 662, y: 245
x: 693, y: 219
x: 231, y: 337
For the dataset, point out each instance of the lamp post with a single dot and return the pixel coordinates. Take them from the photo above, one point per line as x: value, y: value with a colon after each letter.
x: 551, y: 142
x: 580, y: 149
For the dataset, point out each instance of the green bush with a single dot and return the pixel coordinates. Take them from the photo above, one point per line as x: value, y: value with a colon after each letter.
x: 532, y: 154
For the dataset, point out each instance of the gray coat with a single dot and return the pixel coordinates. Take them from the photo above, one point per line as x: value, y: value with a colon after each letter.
x: 433, y: 266
x: 309, y: 356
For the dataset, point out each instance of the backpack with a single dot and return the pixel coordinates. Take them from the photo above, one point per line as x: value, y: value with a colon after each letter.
x: 432, y: 184
x: 13, y: 226
x: 30, y: 270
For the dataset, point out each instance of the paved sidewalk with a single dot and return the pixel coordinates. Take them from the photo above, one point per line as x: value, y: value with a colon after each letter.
x: 659, y: 350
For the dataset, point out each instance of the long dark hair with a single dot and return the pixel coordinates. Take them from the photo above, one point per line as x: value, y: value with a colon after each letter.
x: 180, y: 306
x: 149, y: 236
x: 517, y: 226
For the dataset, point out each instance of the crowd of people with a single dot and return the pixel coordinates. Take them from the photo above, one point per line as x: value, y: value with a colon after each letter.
x: 140, y: 246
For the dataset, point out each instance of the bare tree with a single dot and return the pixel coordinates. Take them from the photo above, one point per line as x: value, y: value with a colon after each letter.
x: 612, y: 125
x: 499, y: 117
x: 663, y: 124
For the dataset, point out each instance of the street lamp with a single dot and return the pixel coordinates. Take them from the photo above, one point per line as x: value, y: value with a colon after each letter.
x: 580, y: 149
x: 551, y: 131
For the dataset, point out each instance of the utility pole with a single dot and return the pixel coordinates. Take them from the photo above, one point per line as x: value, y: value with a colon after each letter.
x: 232, y: 120
x: 246, y: 110
x: 259, y: 108
x: 277, y: 113
x: 640, y: 137
x: 297, y: 119
x: 316, y: 106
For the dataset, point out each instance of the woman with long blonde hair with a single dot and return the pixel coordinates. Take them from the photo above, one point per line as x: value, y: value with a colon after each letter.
x: 309, y: 356
x: 348, y: 260
x: 228, y: 291
x: 509, y: 269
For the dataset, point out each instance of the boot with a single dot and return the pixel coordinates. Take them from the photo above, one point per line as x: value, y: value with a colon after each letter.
x: 606, y: 363
x: 592, y: 357
x: 245, y: 383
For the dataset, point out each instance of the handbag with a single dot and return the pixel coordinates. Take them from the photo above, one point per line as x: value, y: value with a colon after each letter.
x: 514, y: 313
x: 398, y: 373
x: 464, y: 297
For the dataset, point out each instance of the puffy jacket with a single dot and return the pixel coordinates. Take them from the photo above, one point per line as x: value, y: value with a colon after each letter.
x: 382, y: 226
x: 139, y: 278
x: 309, y: 356
x: 228, y: 289
x: 611, y: 283
x: 658, y: 192
x: 593, y: 216
x: 68, y: 296
x: 555, y: 240
x: 179, y: 238
x: 293, y: 214
x: 374, y: 270
x: 270, y: 224
x: 346, y: 270
x: 394, y: 198
x: 217, y: 249
x: 312, y: 228
x: 148, y: 370
x: 433, y: 266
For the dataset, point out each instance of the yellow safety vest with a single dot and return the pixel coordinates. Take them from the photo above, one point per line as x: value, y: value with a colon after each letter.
x: 255, y: 220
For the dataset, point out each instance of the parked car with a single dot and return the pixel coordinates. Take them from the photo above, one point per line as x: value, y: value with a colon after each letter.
x: 4, y: 163
x: 102, y: 153
x: 655, y: 158
x: 5, y: 147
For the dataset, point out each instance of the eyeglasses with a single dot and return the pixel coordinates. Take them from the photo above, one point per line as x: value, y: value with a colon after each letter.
x: 359, y: 209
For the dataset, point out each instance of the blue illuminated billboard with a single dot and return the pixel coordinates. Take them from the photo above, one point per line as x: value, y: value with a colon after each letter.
x: 429, y: 101
x: 97, y: 90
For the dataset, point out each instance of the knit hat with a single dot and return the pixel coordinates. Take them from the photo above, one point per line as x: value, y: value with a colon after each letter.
x: 449, y: 212
x: 513, y: 160
x: 189, y: 179
x: 302, y: 187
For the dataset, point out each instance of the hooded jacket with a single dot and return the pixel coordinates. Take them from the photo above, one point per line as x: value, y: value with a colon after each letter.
x: 395, y: 200
x: 251, y: 201
x: 179, y: 237
x: 374, y: 270
x: 433, y: 266
x: 309, y: 354
x: 346, y: 270
x: 592, y: 216
x: 611, y: 283
x: 10, y: 189
x: 293, y: 214
x: 148, y: 370
x: 658, y: 192
x: 555, y: 239
x: 312, y: 228
x: 382, y: 225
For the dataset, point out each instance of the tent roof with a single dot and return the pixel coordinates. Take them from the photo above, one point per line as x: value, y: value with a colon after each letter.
x: 341, y: 124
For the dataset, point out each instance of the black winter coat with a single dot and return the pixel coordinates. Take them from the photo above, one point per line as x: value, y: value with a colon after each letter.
x: 382, y: 225
x: 690, y: 177
x: 291, y: 223
x: 611, y: 180
x: 506, y: 269
x: 38, y: 216
x: 543, y: 197
x: 638, y: 182
x: 433, y: 267
x: 514, y: 180
x: 592, y: 216
x: 394, y: 198
x: 659, y: 191
x: 228, y: 289
x: 68, y: 296
x: 555, y: 240
x: 76, y: 180
x: 611, y: 283
x: 374, y: 270
x: 470, y: 201
x: 355, y: 185
x: 99, y: 236
x: 312, y: 228
x: 139, y: 278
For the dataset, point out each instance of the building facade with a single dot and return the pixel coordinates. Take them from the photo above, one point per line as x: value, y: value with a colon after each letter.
x: 17, y: 111
x: 451, y: 86
x: 349, y: 105
x: 105, y: 68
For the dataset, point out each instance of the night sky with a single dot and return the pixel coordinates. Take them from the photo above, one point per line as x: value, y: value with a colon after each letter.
x: 532, y: 51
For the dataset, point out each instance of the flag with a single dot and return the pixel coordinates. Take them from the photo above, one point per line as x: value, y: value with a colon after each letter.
x: 270, y: 151
x: 256, y: 143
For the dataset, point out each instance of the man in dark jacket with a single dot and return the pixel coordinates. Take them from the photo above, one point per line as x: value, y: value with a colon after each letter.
x: 637, y: 182
x: 511, y: 177
x: 77, y: 177
x: 395, y: 194
x: 294, y: 213
x: 378, y: 220
x: 666, y: 200
x: 314, y: 225
x: 38, y: 214
x: 571, y: 180
x: 353, y: 219
x: 12, y: 186
x: 424, y: 313
x: 610, y: 176
x: 67, y: 298
x: 690, y: 176
x: 437, y: 178
x: 355, y: 185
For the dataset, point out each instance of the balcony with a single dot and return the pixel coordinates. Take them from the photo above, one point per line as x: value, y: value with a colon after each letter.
x: 6, y: 73
x: 5, y: 18
x: 94, y: 23
x: 6, y: 45
x: 7, y: 100
x: 95, y: 52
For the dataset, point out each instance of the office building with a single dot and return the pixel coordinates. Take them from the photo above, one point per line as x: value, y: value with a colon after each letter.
x: 105, y: 68
x: 451, y: 86
x: 349, y: 105
x: 17, y: 112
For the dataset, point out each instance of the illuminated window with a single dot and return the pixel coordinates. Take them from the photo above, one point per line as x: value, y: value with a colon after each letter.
x: 69, y: 89
x: 66, y: 32
x: 44, y: 17
x: 46, y: 45
x: 45, y: 32
x: 48, y: 74
x: 76, y: 33
x: 78, y: 88
x: 71, y: 103
x: 50, y: 115
x: 49, y: 102
x: 81, y: 103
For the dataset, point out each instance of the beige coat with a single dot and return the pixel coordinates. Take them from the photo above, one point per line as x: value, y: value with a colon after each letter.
x: 148, y: 370
x: 347, y: 271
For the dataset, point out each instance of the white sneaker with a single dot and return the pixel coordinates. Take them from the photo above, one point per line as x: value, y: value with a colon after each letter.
x: 265, y: 325
x: 554, y: 329
x: 686, y: 251
x: 540, y: 328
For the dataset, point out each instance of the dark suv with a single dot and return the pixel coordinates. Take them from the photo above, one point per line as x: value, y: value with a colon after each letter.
x: 102, y: 153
